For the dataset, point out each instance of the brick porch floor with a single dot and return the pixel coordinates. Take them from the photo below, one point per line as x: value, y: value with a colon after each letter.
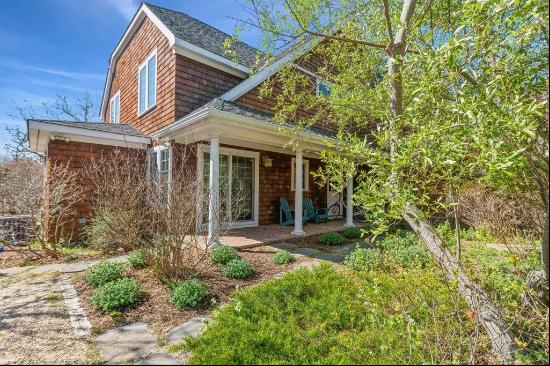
x: 266, y: 234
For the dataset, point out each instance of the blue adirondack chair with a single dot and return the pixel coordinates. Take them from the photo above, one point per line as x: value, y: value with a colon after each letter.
x: 316, y: 214
x: 286, y: 215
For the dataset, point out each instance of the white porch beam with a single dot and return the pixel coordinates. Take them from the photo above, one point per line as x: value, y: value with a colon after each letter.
x: 349, y: 204
x: 298, y: 194
x: 214, y: 195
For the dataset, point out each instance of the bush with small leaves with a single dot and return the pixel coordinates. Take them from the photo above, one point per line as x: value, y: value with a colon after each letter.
x: 136, y: 259
x: 117, y: 295
x: 363, y: 259
x: 283, y: 257
x: 189, y: 294
x: 405, y: 249
x: 331, y: 238
x: 238, y: 268
x: 223, y: 254
x: 352, y: 233
x: 104, y: 272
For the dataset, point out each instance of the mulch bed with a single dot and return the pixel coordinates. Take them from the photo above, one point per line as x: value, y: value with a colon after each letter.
x: 155, y: 307
x: 20, y: 256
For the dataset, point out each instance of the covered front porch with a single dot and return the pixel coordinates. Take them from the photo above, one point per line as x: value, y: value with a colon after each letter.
x: 270, y: 234
x: 239, y: 147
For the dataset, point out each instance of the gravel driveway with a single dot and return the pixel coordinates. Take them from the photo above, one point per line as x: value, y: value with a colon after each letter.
x: 35, y: 326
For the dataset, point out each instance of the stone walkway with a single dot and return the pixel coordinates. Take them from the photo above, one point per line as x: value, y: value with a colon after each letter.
x: 334, y: 255
x: 57, y: 267
x: 31, y: 329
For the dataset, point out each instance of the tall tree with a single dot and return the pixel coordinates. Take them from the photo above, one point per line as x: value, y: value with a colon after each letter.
x: 61, y: 107
x: 461, y: 101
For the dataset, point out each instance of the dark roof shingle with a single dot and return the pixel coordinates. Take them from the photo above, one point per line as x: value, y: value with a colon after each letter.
x: 123, y: 129
x: 203, y: 35
x: 244, y: 111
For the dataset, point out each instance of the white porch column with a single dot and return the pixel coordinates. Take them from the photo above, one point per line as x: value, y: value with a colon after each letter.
x: 298, y: 206
x: 214, y: 196
x: 349, y: 204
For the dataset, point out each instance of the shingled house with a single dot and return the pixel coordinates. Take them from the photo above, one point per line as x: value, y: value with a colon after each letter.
x: 169, y: 82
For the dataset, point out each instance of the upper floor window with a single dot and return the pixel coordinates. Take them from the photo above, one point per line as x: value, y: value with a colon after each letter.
x: 323, y: 87
x: 114, y: 108
x: 147, y: 90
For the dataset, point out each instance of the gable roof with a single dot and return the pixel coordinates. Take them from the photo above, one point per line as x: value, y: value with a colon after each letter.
x: 187, y: 36
x: 192, y: 30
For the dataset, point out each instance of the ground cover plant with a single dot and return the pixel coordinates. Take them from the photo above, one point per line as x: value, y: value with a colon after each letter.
x: 238, y: 268
x: 189, y: 294
x: 301, y: 319
x: 104, y: 272
x: 331, y: 238
x: 283, y: 257
x: 117, y: 295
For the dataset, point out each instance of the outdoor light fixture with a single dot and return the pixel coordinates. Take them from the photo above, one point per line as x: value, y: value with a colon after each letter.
x: 268, y: 162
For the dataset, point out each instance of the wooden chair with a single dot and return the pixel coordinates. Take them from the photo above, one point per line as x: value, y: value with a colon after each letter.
x: 316, y: 214
x: 286, y: 215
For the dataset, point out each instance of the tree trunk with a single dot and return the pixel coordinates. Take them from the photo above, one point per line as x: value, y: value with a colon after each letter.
x: 502, y: 341
x: 544, y: 243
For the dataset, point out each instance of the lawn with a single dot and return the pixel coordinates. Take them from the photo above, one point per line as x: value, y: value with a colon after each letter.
x: 396, y: 308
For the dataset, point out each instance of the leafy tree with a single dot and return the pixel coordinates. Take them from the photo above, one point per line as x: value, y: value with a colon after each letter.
x: 428, y: 96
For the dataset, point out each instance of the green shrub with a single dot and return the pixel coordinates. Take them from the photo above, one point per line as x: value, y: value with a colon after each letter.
x: 238, y: 268
x: 117, y: 295
x: 363, y: 259
x: 352, y: 233
x: 189, y: 294
x: 223, y: 254
x: 136, y: 259
x: 322, y: 316
x: 331, y: 238
x: 104, y: 272
x: 283, y: 257
x: 405, y: 249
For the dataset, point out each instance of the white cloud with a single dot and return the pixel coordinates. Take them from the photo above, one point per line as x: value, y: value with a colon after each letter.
x: 126, y: 8
x: 17, y: 65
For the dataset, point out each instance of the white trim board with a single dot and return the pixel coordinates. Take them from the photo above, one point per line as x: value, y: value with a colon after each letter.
x: 40, y: 134
x: 268, y: 71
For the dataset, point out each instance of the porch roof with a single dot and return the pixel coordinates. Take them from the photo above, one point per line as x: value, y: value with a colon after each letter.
x: 234, y: 121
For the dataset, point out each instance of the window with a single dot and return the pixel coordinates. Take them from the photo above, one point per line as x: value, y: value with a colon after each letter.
x: 115, y: 108
x: 147, y: 89
x: 305, y: 175
x: 323, y: 87
x: 159, y: 163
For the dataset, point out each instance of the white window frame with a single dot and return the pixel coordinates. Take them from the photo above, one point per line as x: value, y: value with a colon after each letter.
x: 145, y: 64
x: 117, y: 116
x: 320, y: 81
x: 306, y: 175
x: 201, y: 149
x: 156, y: 150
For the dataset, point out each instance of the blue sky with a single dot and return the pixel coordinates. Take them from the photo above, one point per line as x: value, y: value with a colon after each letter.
x: 61, y: 47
